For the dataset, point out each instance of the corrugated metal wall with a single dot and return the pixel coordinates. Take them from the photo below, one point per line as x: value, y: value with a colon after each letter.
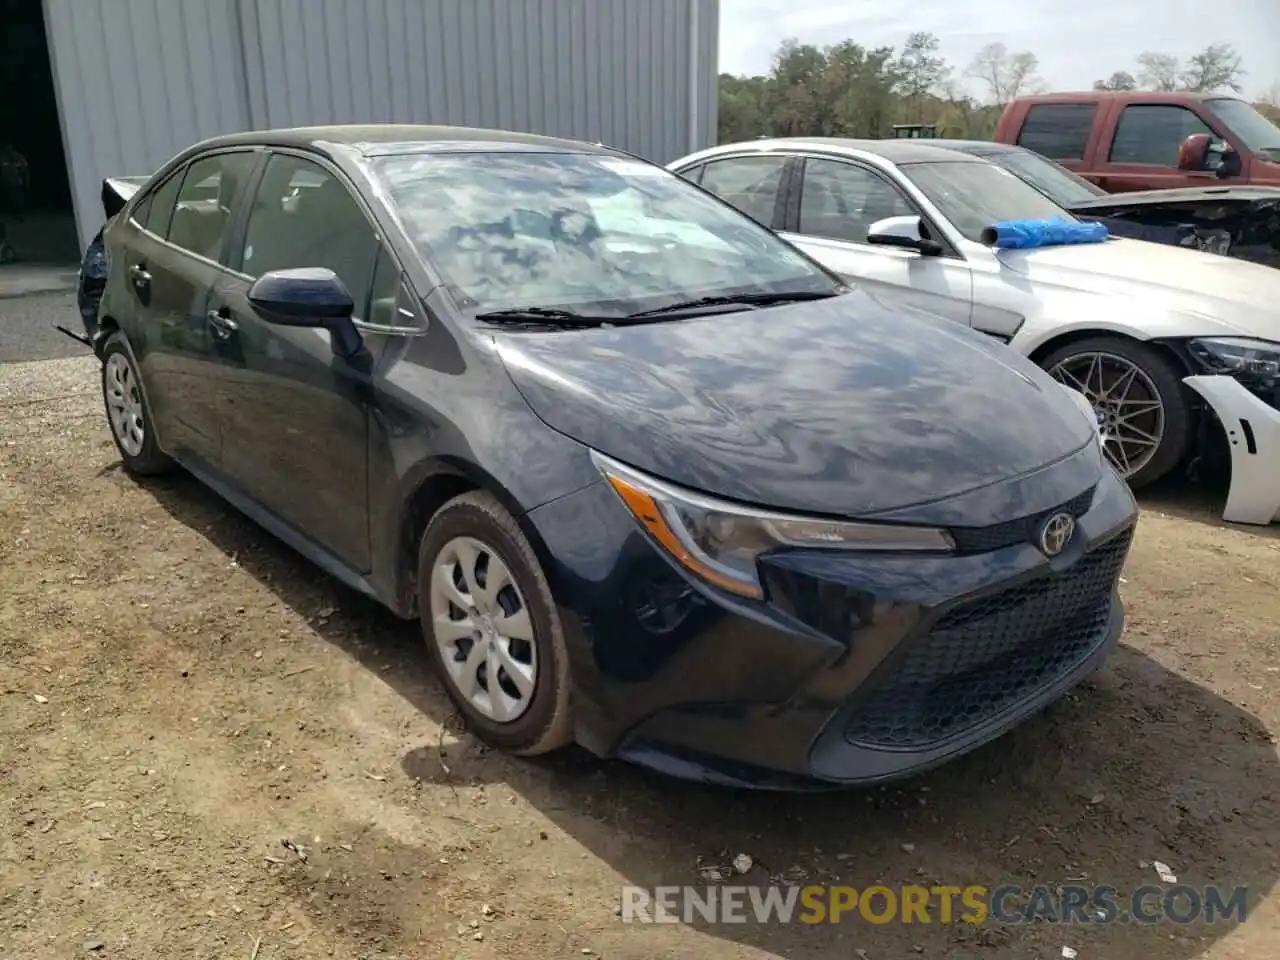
x: 138, y: 80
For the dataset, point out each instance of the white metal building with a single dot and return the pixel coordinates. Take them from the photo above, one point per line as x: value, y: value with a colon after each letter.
x: 137, y: 80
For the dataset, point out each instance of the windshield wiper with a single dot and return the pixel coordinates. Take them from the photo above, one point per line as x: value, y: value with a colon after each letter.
x: 745, y: 299
x: 543, y: 316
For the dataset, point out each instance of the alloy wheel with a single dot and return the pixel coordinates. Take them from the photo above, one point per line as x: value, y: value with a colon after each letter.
x: 124, y: 404
x: 1130, y: 413
x: 482, y: 625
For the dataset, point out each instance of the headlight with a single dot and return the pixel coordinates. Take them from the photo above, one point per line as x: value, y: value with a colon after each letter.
x: 1254, y: 363
x: 720, y: 542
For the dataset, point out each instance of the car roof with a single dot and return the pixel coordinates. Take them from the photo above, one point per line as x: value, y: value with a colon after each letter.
x: 1129, y: 96
x: 979, y: 148
x: 380, y: 139
x: 898, y: 151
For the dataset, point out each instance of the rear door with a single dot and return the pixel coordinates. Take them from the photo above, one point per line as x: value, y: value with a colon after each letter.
x: 176, y: 236
x: 294, y: 415
x: 1139, y: 148
x: 839, y: 200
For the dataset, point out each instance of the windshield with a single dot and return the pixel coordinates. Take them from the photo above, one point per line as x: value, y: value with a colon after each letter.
x: 598, y: 234
x: 975, y: 195
x: 1255, y: 132
x: 1057, y: 183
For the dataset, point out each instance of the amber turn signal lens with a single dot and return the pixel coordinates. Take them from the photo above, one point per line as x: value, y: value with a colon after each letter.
x: 645, y: 509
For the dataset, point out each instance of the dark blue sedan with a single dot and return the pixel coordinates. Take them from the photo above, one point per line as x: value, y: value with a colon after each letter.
x: 651, y: 479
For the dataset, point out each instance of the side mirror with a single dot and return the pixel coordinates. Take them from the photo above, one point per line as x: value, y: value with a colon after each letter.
x: 1230, y: 165
x: 907, y: 233
x: 308, y: 297
x: 1193, y: 154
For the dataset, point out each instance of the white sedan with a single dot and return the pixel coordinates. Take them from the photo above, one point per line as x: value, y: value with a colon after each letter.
x: 1151, y: 334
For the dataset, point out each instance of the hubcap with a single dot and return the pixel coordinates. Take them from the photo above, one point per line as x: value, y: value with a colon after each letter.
x: 483, y: 628
x: 1130, y: 415
x: 124, y: 404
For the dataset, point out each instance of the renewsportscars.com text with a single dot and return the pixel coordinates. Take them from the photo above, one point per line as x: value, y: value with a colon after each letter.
x: 1005, y: 904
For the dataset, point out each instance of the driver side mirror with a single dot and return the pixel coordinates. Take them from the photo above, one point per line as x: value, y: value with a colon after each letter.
x: 308, y: 297
x: 1230, y: 165
x: 1203, y: 153
x: 1193, y: 154
x: 907, y: 233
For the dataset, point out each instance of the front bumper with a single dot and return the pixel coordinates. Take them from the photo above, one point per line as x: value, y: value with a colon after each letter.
x: 858, y: 668
x: 1253, y: 436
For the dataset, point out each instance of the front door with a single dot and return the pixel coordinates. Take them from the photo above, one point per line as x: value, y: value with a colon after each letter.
x: 839, y: 201
x: 294, y: 415
x: 1142, y: 152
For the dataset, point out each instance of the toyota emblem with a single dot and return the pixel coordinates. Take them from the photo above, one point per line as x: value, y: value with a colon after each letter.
x: 1056, y: 533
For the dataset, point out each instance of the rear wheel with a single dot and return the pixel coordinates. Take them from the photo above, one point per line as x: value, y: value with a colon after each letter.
x: 127, y: 412
x: 1136, y: 392
x: 489, y: 619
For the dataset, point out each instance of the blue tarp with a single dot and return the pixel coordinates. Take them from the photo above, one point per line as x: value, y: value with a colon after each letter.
x: 1029, y: 234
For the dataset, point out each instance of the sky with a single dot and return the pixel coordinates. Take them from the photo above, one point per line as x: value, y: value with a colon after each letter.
x: 1076, y: 43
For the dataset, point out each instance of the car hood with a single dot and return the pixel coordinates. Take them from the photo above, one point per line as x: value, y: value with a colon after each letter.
x: 1242, y: 295
x: 1146, y: 198
x: 843, y: 407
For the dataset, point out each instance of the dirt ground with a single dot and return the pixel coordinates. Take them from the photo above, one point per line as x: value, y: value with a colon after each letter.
x: 179, y: 694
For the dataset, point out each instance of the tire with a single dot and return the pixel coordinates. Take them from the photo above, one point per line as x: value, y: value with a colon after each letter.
x: 128, y: 414
x: 477, y: 521
x: 1163, y: 374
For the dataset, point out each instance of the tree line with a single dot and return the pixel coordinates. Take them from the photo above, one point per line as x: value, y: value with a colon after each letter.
x: 849, y: 90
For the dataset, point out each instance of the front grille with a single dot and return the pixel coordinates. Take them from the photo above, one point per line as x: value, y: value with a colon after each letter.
x: 1022, y: 530
x: 985, y: 656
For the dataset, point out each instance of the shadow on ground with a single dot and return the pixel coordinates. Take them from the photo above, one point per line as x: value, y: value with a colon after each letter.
x: 1137, y: 765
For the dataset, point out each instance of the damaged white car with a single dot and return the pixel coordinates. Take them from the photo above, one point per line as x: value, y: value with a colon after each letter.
x: 1177, y: 351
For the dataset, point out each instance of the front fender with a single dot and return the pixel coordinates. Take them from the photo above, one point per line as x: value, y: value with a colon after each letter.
x: 1253, y: 435
x: 1076, y: 313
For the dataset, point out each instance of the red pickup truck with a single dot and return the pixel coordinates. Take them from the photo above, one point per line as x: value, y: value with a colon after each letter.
x: 1147, y: 141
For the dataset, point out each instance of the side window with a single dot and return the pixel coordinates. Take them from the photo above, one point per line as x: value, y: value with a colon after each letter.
x: 694, y: 174
x: 142, y: 212
x: 749, y: 183
x: 1152, y: 133
x: 202, y: 214
x: 384, y: 292
x: 841, y: 201
x: 304, y: 216
x: 1059, y: 131
x: 161, y: 203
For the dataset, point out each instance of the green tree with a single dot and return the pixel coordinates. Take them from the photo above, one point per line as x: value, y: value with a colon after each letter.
x: 849, y: 90
x: 1120, y: 80
x: 1006, y: 75
x: 796, y: 103
x: 920, y: 71
x: 742, y: 113
x: 1158, y: 71
x: 1213, y: 68
x: 860, y: 85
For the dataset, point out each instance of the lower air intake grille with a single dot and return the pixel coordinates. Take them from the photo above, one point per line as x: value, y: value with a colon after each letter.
x: 983, y: 657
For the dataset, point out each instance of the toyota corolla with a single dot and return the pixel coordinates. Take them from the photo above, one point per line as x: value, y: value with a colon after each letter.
x: 651, y: 478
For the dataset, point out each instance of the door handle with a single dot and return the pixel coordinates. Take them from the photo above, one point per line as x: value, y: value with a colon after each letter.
x: 139, y: 275
x: 223, y: 325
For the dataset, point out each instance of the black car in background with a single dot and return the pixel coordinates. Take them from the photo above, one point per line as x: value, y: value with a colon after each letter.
x: 651, y: 478
x: 1241, y: 222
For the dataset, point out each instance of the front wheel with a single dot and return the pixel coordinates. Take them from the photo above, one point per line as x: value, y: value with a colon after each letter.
x: 489, y: 619
x: 1136, y: 393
